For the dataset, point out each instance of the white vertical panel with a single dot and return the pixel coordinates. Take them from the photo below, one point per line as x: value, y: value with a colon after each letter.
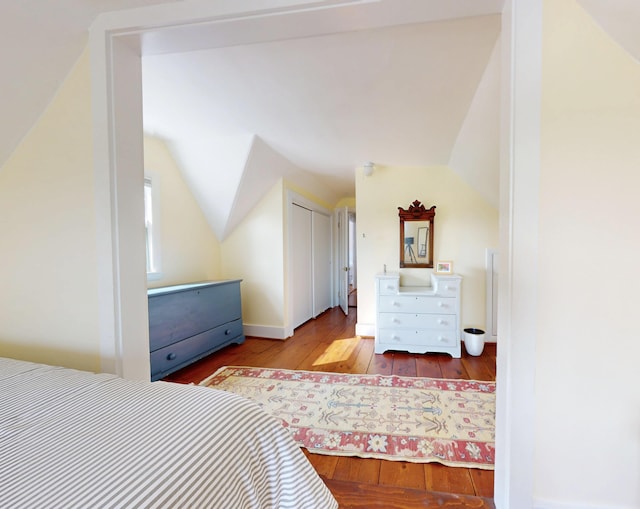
x: 119, y: 162
x: 321, y: 226
x: 492, y: 294
x: 343, y: 260
x: 519, y: 212
x: 301, y: 267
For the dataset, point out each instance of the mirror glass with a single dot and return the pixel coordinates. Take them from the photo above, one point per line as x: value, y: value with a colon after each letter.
x: 416, y: 235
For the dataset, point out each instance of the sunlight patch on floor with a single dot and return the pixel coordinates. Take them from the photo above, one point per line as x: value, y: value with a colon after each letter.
x: 338, y: 350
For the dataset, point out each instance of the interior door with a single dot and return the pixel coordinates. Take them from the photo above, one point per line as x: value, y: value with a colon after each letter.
x: 321, y: 227
x: 343, y: 259
x: 302, y: 270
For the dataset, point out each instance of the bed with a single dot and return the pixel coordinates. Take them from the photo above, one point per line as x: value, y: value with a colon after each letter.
x: 75, y: 439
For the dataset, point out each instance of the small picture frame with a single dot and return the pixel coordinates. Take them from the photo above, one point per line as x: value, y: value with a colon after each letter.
x: 444, y: 267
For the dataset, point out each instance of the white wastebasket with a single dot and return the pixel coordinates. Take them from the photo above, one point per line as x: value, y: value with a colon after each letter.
x: 474, y: 341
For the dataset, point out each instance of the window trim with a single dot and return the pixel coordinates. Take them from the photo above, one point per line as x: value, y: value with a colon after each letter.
x: 152, y: 180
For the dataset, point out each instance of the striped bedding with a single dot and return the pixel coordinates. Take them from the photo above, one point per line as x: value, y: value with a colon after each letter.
x: 71, y: 439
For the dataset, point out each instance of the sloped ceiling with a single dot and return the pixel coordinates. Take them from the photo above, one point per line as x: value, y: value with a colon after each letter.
x: 397, y: 96
x: 326, y: 103
x: 620, y: 19
x: 40, y: 40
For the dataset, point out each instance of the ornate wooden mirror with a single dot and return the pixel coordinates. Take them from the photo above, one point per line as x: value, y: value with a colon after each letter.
x: 416, y: 236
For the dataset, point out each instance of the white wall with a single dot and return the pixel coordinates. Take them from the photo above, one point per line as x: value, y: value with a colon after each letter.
x: 586, y: 395
x: 189, y: 249
x: 465, y: 225
x: 48, y: 281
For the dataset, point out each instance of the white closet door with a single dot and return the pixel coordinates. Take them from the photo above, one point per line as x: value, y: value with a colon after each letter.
x: 321, y: 227
x: 302, y: 269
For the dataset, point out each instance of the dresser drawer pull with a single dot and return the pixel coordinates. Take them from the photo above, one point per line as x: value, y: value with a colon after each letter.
x: 227, y: 332
x: 442, y: 322
x: 171, y: 356
x: 441, y: 304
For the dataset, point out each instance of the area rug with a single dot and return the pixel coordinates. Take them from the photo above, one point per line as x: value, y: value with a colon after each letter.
x: 419, y: 420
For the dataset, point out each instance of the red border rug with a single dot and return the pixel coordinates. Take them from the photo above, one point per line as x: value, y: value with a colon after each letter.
x: 420, y: 420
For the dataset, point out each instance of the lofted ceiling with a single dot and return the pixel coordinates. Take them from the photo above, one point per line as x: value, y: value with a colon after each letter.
x: 396, y: 82
x: 40, y: 40
x: 395, y: 95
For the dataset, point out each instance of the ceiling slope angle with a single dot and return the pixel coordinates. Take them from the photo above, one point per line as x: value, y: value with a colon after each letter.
x: 228, y: 176
x: 618, y: 18
x: 212, y: 167
x: 40, y: 42
x: 396, y: 95
x: 476, y: 153
x: 264, y: 168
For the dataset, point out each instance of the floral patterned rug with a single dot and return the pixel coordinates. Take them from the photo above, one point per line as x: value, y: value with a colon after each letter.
x: 412, y: 419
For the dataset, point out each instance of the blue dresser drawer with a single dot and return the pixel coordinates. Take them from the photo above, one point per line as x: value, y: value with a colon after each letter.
x: 182, y: 353
x: 190, y: 321
x: 176, y: 313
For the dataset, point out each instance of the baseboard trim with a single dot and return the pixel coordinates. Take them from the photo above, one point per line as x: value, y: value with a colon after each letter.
x: 264, y: 331
x: 549, y: 504
x: 366, y: 329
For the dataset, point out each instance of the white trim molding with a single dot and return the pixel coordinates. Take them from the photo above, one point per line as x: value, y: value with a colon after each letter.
x: 367, y: 330
x: 264, y: 331
x: 491, y: 284
x: 519, y: 210
x: 539, y: 503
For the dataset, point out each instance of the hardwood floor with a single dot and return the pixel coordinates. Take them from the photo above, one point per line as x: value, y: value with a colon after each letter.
x: 328, y: 343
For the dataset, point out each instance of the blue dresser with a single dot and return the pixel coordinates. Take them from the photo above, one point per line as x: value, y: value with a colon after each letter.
x: 188, y: 322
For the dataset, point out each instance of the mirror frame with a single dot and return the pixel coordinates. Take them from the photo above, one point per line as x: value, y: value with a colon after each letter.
x: 417, y: 212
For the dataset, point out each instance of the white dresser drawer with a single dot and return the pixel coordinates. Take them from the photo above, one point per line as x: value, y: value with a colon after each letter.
x: 416, y: 321
x: 401, y: 338
x: 388, y: 286
x: 416, y: 304
x: 448, y: 288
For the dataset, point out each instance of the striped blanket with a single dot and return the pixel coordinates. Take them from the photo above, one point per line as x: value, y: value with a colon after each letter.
x: 75, y: 439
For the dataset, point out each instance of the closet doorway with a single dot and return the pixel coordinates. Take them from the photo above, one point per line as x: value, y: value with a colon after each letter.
x: 310, y: 248
x: 346, y: 283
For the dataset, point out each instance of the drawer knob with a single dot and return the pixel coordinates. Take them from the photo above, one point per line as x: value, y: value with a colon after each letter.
x: 227, y: 332
x: 171, y: 356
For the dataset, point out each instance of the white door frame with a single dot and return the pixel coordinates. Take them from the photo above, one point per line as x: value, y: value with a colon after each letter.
x: 491, y: 323
x: 342, y: 271
x: 517, y: 296
x: 116, y: 101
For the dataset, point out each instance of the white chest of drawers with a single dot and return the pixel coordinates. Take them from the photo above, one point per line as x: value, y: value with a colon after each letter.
x: 418, y: 319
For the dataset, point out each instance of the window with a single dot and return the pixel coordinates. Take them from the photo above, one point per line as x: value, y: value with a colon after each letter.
x: 152, y: 226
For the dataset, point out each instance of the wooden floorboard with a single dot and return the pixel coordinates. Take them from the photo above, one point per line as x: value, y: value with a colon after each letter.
x: 367, y: 496
x: 329, y: 343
